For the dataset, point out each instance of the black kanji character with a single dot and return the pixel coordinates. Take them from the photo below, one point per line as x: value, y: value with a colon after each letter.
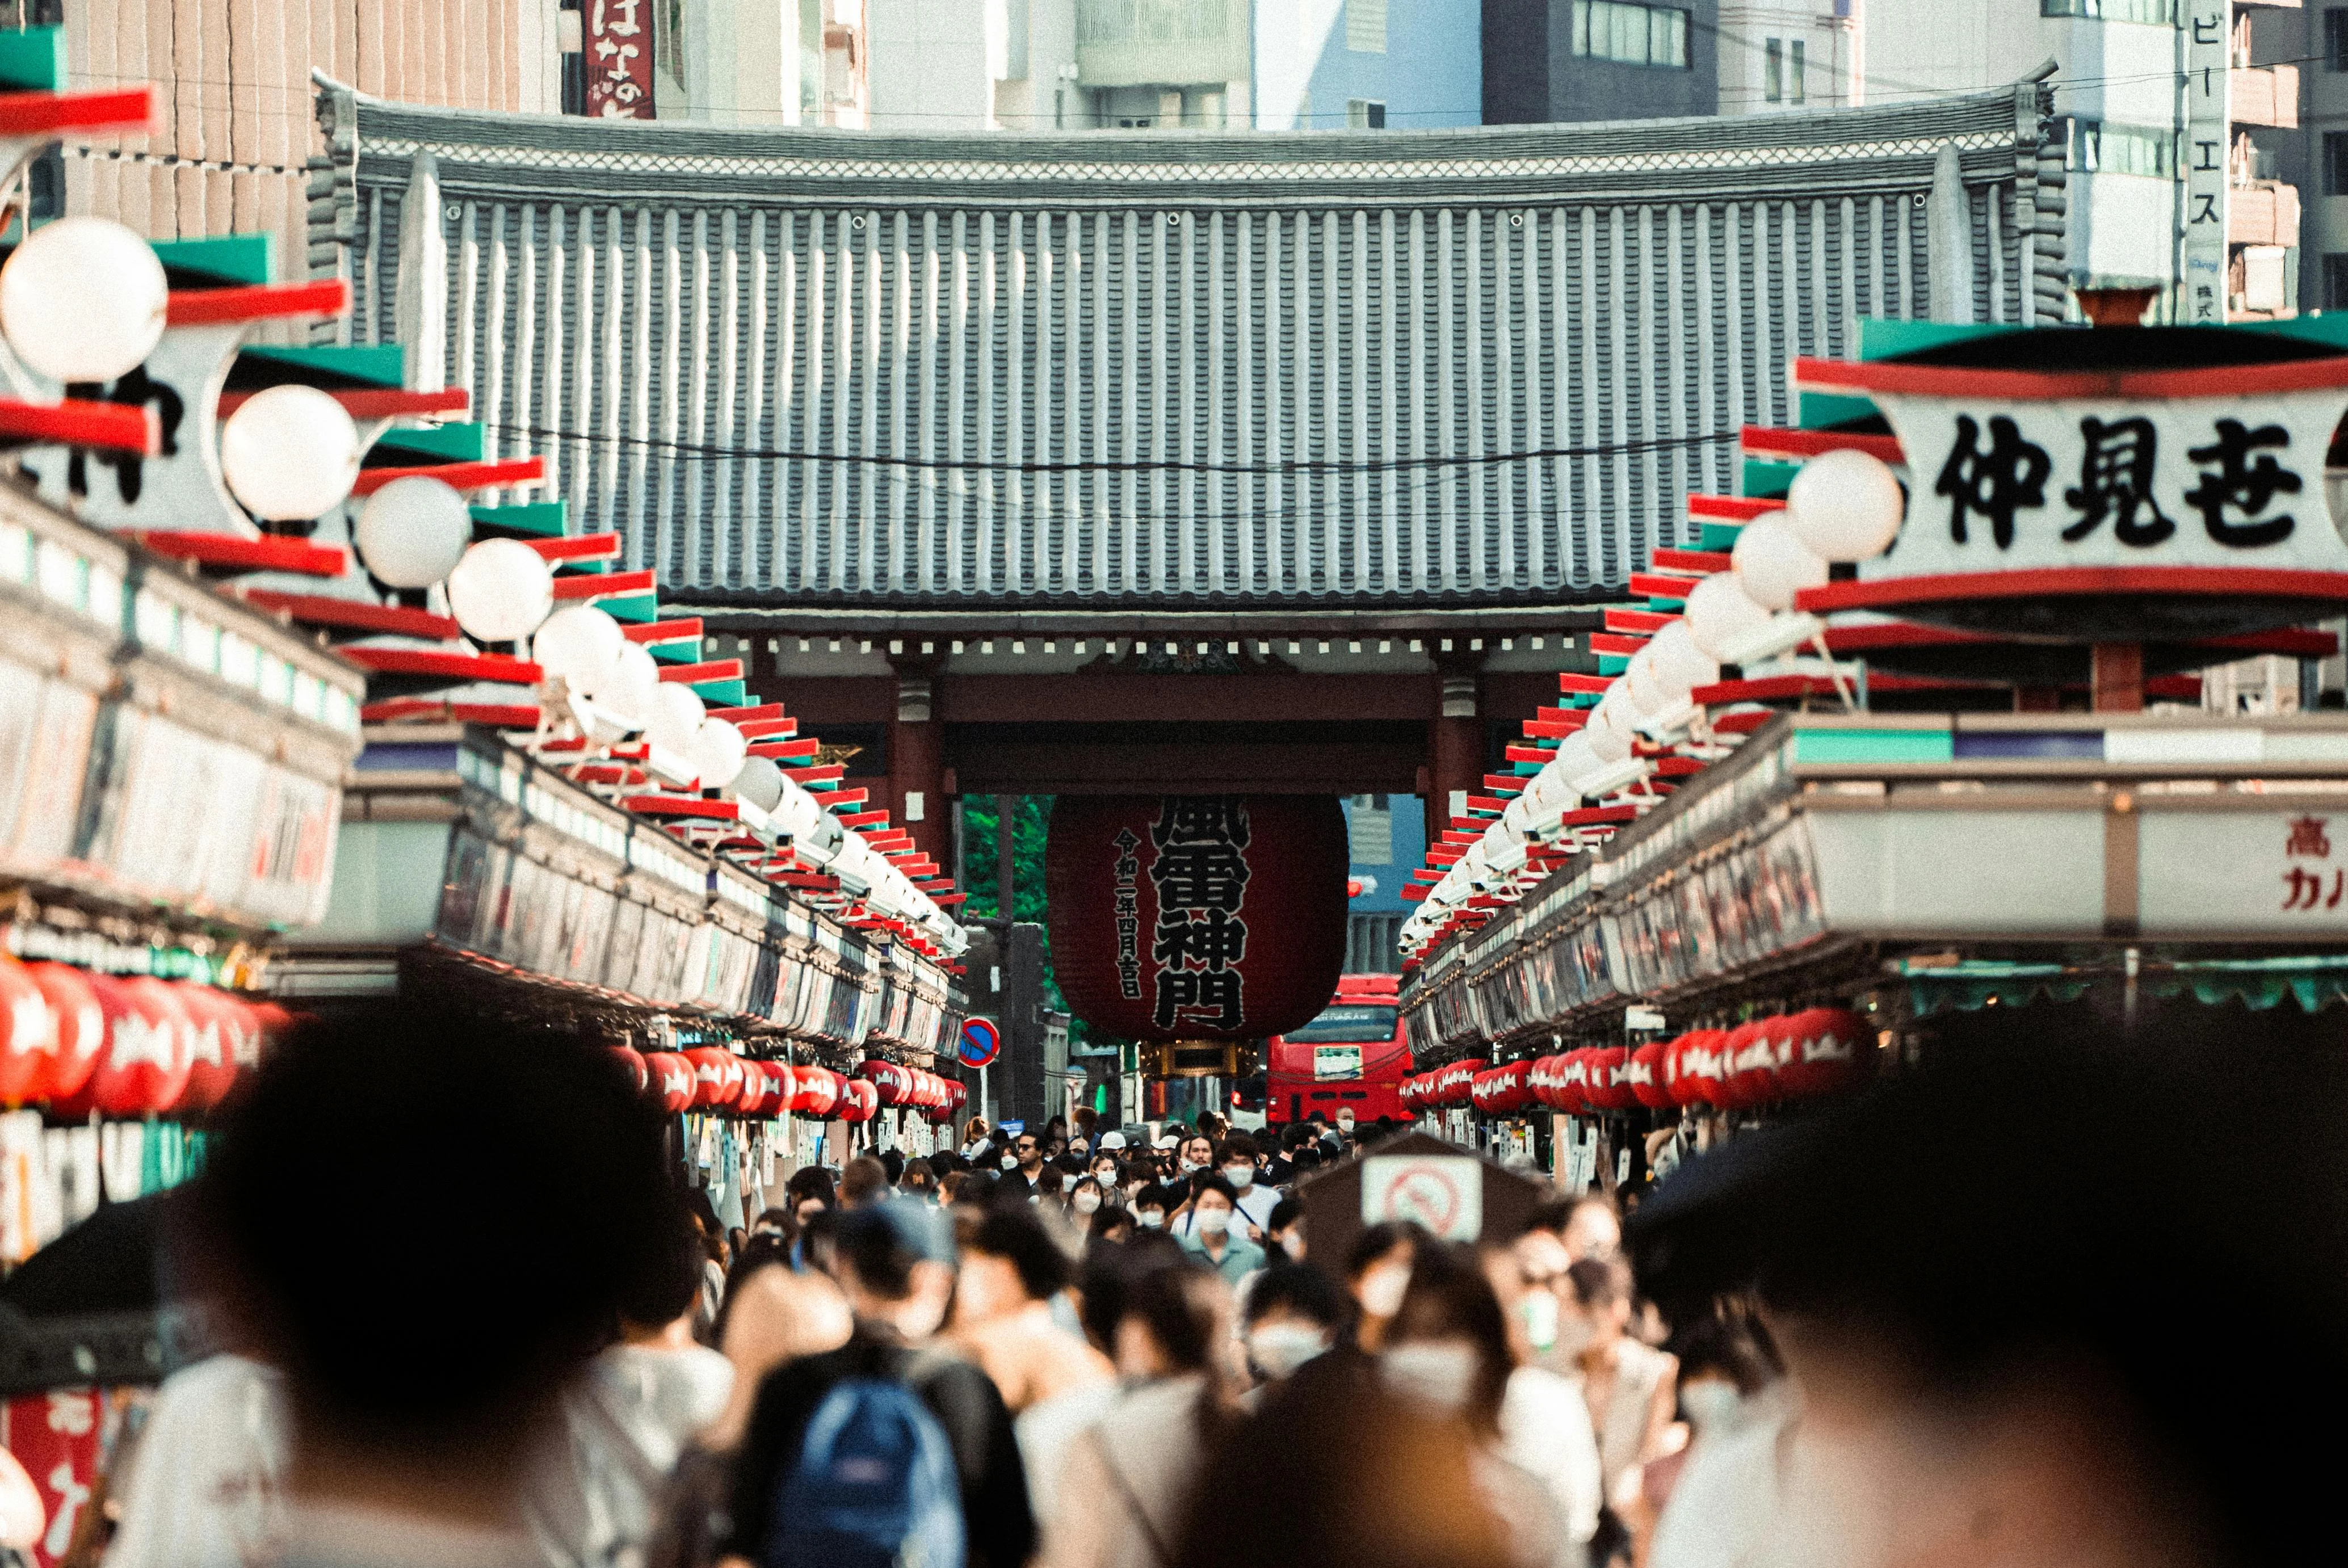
x: 133, y: 390
x: 1181, y: 991
x: 1213, y: 940
x: 1199, y: 876
x: 1995, y: 484
x: 1200, y: 820
x: 2115, y: 482
x: 2247, y: 488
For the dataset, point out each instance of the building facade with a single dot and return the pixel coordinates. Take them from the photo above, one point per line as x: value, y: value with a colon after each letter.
x: 2129, y: 147
x: 1782, y: 57
x: 1547, y: 61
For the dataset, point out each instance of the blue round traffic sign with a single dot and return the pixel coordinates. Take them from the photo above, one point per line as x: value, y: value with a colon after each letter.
x: 981, y: 1042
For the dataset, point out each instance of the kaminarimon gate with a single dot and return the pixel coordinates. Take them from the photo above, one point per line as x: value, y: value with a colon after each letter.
x: 1286, y: 462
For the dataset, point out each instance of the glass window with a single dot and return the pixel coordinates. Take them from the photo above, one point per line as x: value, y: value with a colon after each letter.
x: 1631, y: 34
x: 1347, y: 1022
x: 2336, y: 163
x: 1794, y: 88
x: 1366, y: 27
x: 1773, y: 71
x: 2150, y: 13
x: 2335, y: 38
x: 2335, y: 281
x: 1365, y: 114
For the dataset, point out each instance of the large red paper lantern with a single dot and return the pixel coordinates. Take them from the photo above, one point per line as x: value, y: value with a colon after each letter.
x: 226, y: 1039
x: 716, y: 1078
x: 761, y: 1090
x: 28, y: 1035
x: 1833, y: 1050
x: 821, y: 1090
x: 859, y: 1100
x: 1644, y: 1074
x: 1602, y: 1093
x: 1750, y: 1065
x: 144, y: 1066
x: 1215, y: 917
x: 630, y: 1062
x: 787, y: 1086
x: 673, y: 1079
x: 81, y: 1030
x: 1703, y: 1067
x: 893, y: 1082
x: 1573, y: 1091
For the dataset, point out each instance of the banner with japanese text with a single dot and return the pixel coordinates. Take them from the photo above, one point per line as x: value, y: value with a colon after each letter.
x: 619, y: 46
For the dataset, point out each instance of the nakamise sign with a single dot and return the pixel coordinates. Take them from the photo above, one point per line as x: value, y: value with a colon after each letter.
x: 2202, y: 483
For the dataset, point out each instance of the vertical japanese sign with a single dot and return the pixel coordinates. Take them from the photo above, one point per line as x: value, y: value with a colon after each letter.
x: 2209, y: 59
x: 619, y: 42
x: 1200, y: 939
x: 56, y: 1437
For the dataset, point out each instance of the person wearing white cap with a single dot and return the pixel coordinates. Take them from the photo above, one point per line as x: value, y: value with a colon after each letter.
x: 1109, y: 1141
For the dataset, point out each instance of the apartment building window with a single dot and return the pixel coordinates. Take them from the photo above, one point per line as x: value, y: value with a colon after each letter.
x: 2336, y: 163
x: 2335, y: 38
x: 2152, y: 12
x: 1773, y: 70
x: 2335, y: 281
x: 1364, y: 114
x: 1366, y: 27
x: 1794, y: 92
x: 2094, y: 147
x: 1631, y: 34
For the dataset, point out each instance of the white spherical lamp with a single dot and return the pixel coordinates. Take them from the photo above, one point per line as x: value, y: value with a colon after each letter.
x: 502, y: 590
x: 1845, y: 505
x: 626, y: 688
x: 83, y: 300
x: 1642, y: 687
x: 673, y: 721
x: 1576, y: 760
x: 760, y: 783
x: 413, y: 531
x: 1678, y: 663
x: 1607, y: 733
x: 1719, y: 612
x: 718, y: 752
x: 1772, y: 564
x: 290, y: 454
x: 578, y: 642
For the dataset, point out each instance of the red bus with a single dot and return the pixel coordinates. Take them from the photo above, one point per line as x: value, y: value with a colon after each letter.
x: 1352, y: 1057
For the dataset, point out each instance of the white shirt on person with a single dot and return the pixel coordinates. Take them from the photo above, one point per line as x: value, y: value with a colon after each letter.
x: 1545, y: 1431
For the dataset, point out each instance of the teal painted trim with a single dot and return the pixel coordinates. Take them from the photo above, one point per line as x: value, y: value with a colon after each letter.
x: 449, y: 443
x: 239, y: 259
x: 723, y: 693
x: 637, y: 608
x: 2328, y: 329
x: 679, y: 651
x: 1825, y: 410
x: 583, y: 568
x: 1718, y: 535
x: 1577, y: 699
x: 540, y: 519
x: 1766, y: 481
x: 1874, y: 746
x: 1666, y: 606
x: 383, y: 363
x: 34, y: 61
x: 1524, y: 769
x: 1614, y: 664
x: 1880, y: 339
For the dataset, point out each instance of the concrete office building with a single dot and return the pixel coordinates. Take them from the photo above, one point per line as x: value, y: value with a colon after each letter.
x: 1790, y: 56
x: 1549, y: 60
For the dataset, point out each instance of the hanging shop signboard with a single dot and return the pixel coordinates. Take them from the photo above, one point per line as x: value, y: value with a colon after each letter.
x: 618, y: 37
x: 2208, y: 42
x: 1443, y: 1192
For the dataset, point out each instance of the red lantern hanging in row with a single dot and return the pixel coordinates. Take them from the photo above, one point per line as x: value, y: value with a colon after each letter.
x: 821, y: 1092
x: 631, y: 1064
x: 892, y: 1081
x: 859, y: 1101
x: 672, y: 1080
x: 121, y: 1046
x: 1503, y: 1090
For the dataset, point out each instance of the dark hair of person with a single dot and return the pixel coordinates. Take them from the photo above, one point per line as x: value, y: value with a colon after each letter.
x: 1154, y: 1196
x: 1069, y: 1164
x: 1180, y: 1304
x: 1307, y: 1157
x: 1551, y: 1216
x: 1731, y: 1341
x: 1401, y: 1490
x: 1301, y: 1289
x: 1087, y: 1119
x: 1014, y: 1234
x: 1058, y: 1127
x: 820, y: 1241
x: 665, y: 1290
x: 1600, y: 1282
x: 1049, y: 1182
x: 766, y: 1251
x: 810, y: 1182
x: 1108, y: 1270
x: 893, y: 1163
x: 1212, y: 1180
x: 878, y: 1251
x: 782, y: 1219
x: 351, y: 1127
x: 1137, y: 1169
x: 1284, y: 1214
x: 977, y: 1187
x: 1376, y: 1240
x: 863, y: 1180
x: 1238, y: 1146
x: 1113, y: 1223
x: 1451, y: 1298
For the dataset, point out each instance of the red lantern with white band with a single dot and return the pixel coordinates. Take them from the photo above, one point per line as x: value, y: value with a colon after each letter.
x: 28, y: 1035
x: 81, y: 1030
x: 1832, y: 1050
x: 673, y: 1079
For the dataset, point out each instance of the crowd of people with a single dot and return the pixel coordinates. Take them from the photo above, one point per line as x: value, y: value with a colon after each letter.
x: 1061, y: 1348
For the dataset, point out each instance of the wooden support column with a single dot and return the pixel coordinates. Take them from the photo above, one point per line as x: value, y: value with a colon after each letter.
x: 2115, y: 681
x: 1454, y: 740
x: 917, y: 762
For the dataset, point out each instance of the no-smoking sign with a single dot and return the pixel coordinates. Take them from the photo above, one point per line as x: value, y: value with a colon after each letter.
x: 1444, y: 1192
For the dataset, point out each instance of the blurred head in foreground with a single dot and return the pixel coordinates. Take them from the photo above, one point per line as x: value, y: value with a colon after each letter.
x: 357, y: 1219
x: 2036, y: 1317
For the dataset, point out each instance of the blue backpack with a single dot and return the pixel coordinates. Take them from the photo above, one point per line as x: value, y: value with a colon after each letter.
x: 875, y: 1486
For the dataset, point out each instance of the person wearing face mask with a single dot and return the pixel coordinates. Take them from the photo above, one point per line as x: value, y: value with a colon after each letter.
x: 1715, y: 1497
x: 1292, y: 1315
x: 1210, y: 1235
x: 1085, y: 1204
x: 1237, y: 1160
x: 1627, y: 1384
x: 1447, y: 1353
x: 1194, y: 1154
x: 1378, y: 1275
x: 1283, y: 1231
x: 1149, y: 1208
